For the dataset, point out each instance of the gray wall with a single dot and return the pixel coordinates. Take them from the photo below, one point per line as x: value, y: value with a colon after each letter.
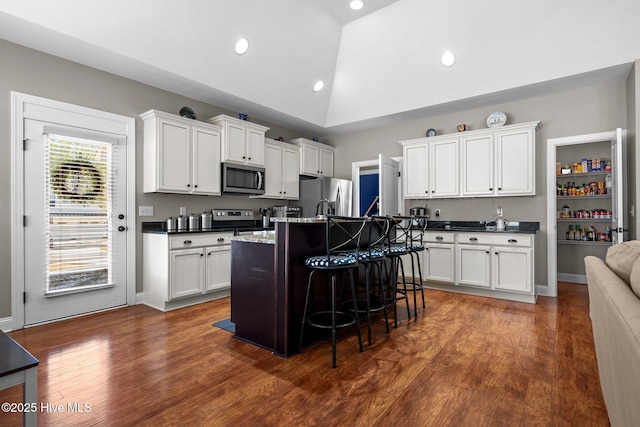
x: 588, y: 110
x: 34, y: 73
x: 594, y: 109
x: 633, y: 154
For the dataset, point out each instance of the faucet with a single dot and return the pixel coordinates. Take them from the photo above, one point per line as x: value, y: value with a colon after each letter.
x: 320, y: 203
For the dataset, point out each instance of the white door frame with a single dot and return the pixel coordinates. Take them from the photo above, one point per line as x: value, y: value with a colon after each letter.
x: 23, y: 107
x: 355, y: 178
x: 552, y: 208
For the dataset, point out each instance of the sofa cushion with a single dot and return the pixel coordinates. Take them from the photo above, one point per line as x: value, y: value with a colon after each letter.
x: 621, y: 257
x: 635, y: 278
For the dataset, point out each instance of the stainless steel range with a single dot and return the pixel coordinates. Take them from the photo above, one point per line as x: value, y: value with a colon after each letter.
x: 238, y: 220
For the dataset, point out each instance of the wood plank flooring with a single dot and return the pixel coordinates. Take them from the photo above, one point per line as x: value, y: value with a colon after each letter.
x: 466, y: 361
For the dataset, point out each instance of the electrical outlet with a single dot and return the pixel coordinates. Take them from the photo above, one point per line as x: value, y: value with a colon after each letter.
x: 437, y: 212
x: 183, y: 211
x: 145, y: 210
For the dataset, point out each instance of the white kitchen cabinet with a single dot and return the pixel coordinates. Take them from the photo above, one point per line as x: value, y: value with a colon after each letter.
x: 439, y: 257
x: 499, y: 161
x: 474, y: 265
x: 316, y: 159
x: 242, y: 141
x: 180, y: 155
x: 282, y: 170
x: 431, y: 168
x: 185, y: 268
x: 218, y: 268
x: 500, y: 261
x: 512, y: 269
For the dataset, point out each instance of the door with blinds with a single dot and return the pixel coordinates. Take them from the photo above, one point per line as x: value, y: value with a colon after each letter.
x: 75, y: 227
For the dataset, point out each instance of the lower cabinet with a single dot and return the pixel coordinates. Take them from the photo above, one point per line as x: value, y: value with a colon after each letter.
x: 185, y: 269
x: 496, y: 265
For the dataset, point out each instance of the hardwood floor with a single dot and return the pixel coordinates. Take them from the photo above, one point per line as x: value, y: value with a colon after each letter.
x: 466, y: 361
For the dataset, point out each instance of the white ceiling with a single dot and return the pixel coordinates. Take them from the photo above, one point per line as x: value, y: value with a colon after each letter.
x: 380, y: 64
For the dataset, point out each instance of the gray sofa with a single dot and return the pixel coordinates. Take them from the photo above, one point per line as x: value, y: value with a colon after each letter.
x: 614, y: 307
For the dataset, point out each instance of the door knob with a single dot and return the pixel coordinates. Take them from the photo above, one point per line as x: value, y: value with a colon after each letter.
x: 122, y: 228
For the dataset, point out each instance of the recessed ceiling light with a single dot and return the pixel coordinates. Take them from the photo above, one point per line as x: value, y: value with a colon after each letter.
x: 318, y: 86
x: 356, y: 4
x: 448, y: 59
x: 242, y: 46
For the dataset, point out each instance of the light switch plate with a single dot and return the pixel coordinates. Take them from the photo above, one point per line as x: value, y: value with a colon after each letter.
x: 145, y: 210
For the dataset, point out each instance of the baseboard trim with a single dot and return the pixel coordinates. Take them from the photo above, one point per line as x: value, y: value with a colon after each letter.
x: 139, y: 298
x: 575, y: 278
x: 6, y: 324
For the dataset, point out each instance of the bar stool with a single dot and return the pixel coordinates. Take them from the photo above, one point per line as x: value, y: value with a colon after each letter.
x: 342, y: 236
x: 393, y: 248
x: 371, y: 257
x: 414, y: 236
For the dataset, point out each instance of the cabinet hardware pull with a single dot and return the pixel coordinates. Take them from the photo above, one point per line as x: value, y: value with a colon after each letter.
x: 244, y: 157
x: 426, y: 191
x: 187, y: 242
x: 499, y: 188
x: 491, y: 189
x: 220, y: 239
x: 488, y: 252
x: 473, y: 239
x: 512, y: 241
x: 195, y: 186
x: 201, y: 254
x: 209, y: 253
x: 497, y: 253
x: 249, y: 158
x: 188, y: 185
x: 439, y: 238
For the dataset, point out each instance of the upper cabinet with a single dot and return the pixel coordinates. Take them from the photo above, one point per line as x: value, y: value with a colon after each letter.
x: 316, y: 159
x: 180, y: 155
x: 431, y: 168
x: 282, y: 170
x: 484, y: 163
x: 242, y: 141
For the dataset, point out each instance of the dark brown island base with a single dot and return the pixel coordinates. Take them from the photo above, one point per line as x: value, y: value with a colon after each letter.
x: 268, y: 283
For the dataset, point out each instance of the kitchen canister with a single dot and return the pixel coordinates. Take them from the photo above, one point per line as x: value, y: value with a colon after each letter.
x: 172, y: 224
x: 183, y: 223
x: 205, y: 220
x: 194, y: 222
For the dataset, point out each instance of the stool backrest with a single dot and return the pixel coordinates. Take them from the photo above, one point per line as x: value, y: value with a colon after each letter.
x: 344, y: 234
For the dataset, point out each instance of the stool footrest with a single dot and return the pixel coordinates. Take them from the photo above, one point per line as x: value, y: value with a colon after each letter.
x: 322, y: 319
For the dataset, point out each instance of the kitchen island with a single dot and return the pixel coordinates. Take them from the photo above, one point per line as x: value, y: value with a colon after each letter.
x: 268, y: 282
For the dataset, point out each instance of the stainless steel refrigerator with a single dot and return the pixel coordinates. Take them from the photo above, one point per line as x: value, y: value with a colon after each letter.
x: 327, y: 195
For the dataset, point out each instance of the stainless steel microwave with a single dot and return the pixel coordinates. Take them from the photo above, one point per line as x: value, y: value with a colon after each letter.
x: 242, y: 179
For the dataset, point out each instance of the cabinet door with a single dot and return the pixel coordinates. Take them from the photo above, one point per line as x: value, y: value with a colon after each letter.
x: 474, y: 265
x: 445, y: 169
x: 255, y: 147
x: 218, y: 268
x: 326, y: 163
x: 273, y: 171
x: 439, y: 263
x: 512, y: 269
x: 174, y: 156
x: 235, y: 144
x: 186, y: 273
x: 416, y: 173
x: 478, y: 166
x: 515, y: 162
x: 310, y: 160
x: 291, y: 173
x: 206, y: 161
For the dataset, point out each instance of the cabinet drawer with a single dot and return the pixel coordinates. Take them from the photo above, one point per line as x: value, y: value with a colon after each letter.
x: 439, y: 237
x: 518, y: 240
x: 193, y: 240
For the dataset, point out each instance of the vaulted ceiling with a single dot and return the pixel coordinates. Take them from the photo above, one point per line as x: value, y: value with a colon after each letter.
x: 379, y: 64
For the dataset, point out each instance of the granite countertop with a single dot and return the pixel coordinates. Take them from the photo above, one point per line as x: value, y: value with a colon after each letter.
x: 483, y: 227
x: 265, y: 237
x: 160, y: 227
x: 310, y: 220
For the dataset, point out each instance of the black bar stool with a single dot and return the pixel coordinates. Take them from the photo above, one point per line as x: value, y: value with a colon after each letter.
x: 414, y: 229
x: 393, y: 248
x: 342, y: 242
x: 371, y: 257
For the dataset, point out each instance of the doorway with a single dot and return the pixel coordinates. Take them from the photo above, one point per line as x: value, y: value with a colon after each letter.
x: 377, y: 186
x: 75, y: 245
